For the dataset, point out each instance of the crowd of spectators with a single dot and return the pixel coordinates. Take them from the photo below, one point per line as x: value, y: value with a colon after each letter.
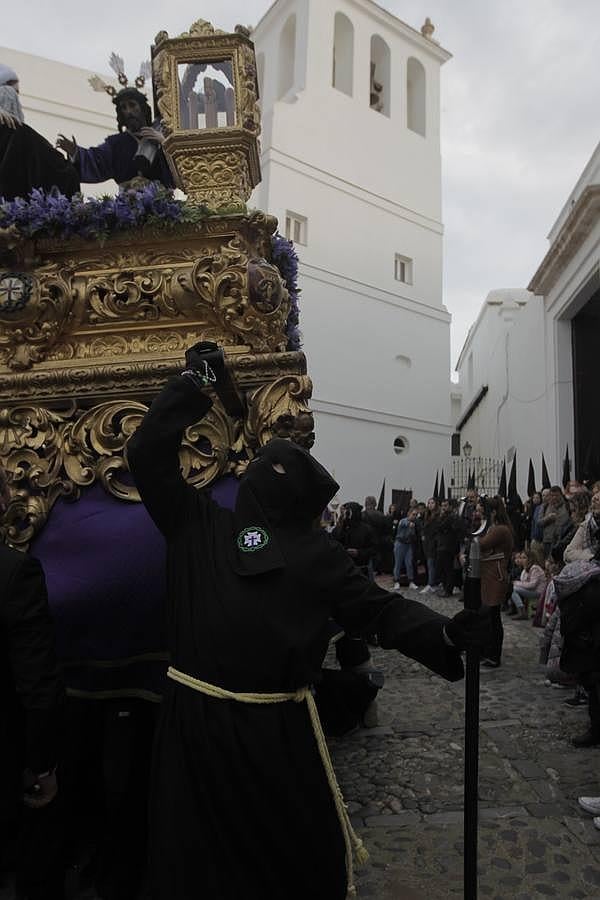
x: 540, y: 564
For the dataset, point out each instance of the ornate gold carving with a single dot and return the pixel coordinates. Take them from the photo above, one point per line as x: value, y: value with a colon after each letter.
x: 217, y: 165
x: 161, y: 76
x: 141, y: 379
x: 29, y: 329
x: 213, y: 177
x: 280, y: 409
x: 123, y: 300
x: 249, y: 90
x: 30, y: 452
x: 220, y: 281
x: 201, y: 28
x: 54, y: 453
x: 126, y: 295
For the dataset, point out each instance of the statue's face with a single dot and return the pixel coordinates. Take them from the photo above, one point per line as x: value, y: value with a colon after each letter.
x: 132, y: 114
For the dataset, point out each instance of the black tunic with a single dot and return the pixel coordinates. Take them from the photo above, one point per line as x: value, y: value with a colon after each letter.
x: 240, y: 805
x: 28, y: 161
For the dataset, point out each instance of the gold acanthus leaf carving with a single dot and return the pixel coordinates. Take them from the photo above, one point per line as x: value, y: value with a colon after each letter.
x: 126, y: 295
x: 49, y: 454
x: 280, y: 409
x: 31, y: 454
x: 94, y: 446
x: 161, y: 71
x: 249, y: 90
x: 201, y: 28
x: 161, y: 342
x: 220, y: 283
x: 205, y: 449
x: 215, y: 176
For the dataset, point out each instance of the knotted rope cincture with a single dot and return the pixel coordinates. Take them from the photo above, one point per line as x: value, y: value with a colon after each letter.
x: 355, y: 849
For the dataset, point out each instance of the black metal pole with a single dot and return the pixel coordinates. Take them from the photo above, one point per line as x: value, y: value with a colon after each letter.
x: 472, y: 595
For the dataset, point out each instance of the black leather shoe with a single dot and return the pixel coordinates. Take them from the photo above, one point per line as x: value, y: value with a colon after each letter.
x: 588, y: 739
x: 490, y: 664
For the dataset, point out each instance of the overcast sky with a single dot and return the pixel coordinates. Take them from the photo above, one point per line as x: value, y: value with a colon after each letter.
x: 520, y: 102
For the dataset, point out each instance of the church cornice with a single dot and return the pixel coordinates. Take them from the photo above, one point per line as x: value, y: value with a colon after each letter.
x: 582, y: 218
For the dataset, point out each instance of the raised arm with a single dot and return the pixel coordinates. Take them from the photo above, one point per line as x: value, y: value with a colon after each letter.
x: 153, y: 452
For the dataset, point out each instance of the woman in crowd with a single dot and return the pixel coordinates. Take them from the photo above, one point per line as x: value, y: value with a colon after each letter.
x: 430, y: 527
x: 577, y: 507
x: 584, y: 542
x: 496, y: 544
x: 554, y: 518
x: 531, y: 583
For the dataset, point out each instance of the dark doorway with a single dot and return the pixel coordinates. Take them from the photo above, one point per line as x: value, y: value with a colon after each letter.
x: 585, y: 335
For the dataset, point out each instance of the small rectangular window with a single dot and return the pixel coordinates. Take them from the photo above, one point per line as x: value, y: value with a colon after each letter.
x: 403, y: 269
x: 295, y: 228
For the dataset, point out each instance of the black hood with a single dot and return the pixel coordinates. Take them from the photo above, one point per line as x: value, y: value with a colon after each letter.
x: 269, y: 502
x: 300, y: 494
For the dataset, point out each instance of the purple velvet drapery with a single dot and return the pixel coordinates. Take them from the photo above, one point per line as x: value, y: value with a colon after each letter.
x: 104, y: 561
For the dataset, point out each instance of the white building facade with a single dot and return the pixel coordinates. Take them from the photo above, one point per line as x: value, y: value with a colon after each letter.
x: 536, y: 352
x: 351, y: 168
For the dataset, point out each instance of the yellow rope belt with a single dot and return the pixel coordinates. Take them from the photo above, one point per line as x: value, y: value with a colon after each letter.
x: 354, y: 845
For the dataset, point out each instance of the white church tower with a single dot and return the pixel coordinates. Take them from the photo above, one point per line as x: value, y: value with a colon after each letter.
x: 351, y: 167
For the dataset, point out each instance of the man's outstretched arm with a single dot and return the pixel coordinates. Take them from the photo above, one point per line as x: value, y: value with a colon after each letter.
x: 400, y: 623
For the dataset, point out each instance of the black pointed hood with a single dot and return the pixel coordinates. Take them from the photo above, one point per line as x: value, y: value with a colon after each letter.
x: 270, y: 501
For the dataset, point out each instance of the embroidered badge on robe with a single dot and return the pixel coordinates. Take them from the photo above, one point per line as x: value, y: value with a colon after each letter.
x: 252, y: 539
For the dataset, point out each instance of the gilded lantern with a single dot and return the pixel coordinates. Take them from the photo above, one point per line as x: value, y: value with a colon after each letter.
x: 207, y: 96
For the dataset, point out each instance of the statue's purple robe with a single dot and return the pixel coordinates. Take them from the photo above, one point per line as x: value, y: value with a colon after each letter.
x: 240, y: 806
x: 115, y: 158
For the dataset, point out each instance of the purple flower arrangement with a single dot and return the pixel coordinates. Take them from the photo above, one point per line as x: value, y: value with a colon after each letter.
x: 52, y: 215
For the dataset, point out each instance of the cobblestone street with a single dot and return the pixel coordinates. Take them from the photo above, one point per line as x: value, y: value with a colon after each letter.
x: 403, y: 782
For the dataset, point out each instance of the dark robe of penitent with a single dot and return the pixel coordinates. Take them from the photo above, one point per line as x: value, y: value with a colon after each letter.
x: 240, y: 805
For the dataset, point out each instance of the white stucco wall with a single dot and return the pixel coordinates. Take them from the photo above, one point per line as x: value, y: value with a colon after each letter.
x: 507, y: 349
x: 377, y: 349
x: 524, y: 354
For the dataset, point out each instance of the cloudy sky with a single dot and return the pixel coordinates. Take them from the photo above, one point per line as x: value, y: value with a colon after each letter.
x: 519, y: 120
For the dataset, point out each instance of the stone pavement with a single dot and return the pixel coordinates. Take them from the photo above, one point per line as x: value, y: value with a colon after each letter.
x: 403, y: 782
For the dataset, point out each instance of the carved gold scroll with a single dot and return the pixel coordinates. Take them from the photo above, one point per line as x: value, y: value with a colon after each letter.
x: 89, y: 333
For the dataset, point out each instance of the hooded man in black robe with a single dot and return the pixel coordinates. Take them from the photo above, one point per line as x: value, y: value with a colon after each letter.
x: 27, y: 160
x: 241, y: 803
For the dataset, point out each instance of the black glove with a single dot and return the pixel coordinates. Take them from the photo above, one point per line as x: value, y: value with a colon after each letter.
x: 206, y: 361
x: 470, y: 630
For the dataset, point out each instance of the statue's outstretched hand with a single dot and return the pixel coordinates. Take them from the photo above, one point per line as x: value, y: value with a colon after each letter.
x: 470, y: 629
x: 69, y: 146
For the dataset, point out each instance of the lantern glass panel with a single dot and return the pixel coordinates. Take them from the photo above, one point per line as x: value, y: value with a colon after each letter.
x: 206, y: 95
